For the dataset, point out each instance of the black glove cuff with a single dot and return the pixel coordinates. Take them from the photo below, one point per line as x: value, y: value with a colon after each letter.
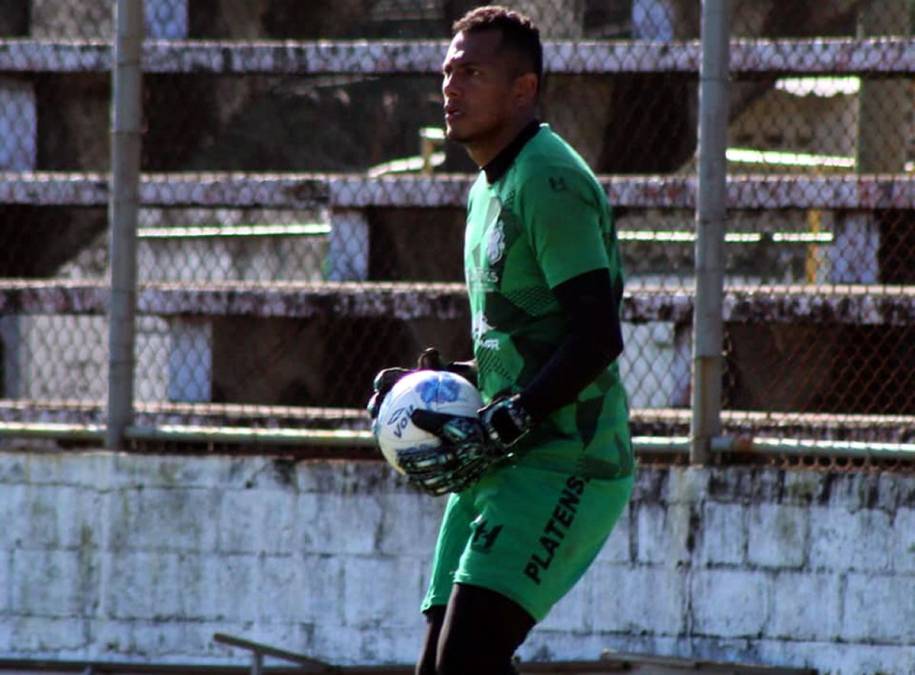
x: 506, y: 421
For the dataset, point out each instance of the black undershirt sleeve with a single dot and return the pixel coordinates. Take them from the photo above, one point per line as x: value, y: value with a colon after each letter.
x: 593, y: 342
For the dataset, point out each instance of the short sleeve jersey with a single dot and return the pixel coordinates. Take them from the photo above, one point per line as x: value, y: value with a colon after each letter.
x: 544, y: 221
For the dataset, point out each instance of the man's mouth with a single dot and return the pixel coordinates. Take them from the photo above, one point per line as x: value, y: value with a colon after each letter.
x: 452, y: 112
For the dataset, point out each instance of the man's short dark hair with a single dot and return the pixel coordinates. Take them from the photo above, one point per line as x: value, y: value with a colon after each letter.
x: 519, y: 34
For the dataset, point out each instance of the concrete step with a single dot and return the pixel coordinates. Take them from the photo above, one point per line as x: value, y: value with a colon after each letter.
x: 645, y: 422
x: 891, y: 55
x: 357, y: 192
x: 826, y: 303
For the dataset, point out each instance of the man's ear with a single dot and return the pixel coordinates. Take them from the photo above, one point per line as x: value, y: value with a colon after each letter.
x: 525, y: 89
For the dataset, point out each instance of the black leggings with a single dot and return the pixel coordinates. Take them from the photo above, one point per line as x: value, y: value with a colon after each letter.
x: 476, y: 634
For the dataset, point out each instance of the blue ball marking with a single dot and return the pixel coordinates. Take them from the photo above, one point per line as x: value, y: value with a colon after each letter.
x: 427, y: 390
x: 448, y: 391
x: 438, y: 390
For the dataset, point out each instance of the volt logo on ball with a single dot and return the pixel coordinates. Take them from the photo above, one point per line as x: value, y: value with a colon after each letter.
x: 400, y: 419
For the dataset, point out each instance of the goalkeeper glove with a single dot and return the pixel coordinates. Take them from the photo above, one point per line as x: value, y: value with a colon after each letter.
x: 470, y: 445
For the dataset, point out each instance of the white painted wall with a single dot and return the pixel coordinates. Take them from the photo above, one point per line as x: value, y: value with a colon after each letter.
x: 139, y: 557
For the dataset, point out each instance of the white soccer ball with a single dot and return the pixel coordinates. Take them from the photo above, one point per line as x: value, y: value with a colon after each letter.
x: 437, y: 390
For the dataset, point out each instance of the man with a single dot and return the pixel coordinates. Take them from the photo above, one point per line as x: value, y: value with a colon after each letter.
x: 540, y: 478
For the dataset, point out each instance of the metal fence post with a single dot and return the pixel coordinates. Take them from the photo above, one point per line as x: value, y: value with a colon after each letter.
x: 710, y: 226
x: 123, y: 205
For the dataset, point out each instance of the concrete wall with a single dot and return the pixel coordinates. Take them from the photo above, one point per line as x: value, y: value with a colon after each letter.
x: 141, y: 557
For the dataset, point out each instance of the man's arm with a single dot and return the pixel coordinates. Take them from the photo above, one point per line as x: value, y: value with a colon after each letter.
x: 593, y: 342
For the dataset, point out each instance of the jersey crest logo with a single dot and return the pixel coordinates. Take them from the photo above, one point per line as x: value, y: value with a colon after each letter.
x: 495, y: 236
x: 495, y: 244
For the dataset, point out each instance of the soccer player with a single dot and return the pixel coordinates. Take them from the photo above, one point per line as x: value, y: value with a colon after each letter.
x: 539, y: 479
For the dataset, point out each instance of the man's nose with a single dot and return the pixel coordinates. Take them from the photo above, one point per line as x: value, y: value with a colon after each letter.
x: 449, y: 87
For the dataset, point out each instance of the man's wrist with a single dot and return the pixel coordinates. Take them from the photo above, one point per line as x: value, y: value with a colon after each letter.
x: 506, y: 421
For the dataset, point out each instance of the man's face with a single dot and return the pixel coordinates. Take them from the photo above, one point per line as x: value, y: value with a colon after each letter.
x: 477, y: 86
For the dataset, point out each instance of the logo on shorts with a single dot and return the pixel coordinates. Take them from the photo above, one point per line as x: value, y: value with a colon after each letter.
x: 558, y: 184
x: 555, y: 529
x: 484, y: 536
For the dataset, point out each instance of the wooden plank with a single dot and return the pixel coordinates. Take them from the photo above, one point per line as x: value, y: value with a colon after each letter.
x: 307, y: 190
x: 821, y: 304
x: 892, y: 55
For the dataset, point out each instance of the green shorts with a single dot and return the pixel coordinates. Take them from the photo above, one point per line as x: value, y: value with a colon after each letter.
x: 527, y: 533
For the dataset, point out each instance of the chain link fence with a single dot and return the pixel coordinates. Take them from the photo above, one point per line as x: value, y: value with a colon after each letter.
x: 302, y: 217
x: 50, y: 121
x: 842, y: 362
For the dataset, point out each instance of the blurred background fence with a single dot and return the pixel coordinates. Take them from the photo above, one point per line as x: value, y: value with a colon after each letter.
x: 301, y: 216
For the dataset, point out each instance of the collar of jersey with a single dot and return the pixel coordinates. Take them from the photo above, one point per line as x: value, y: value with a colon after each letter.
x: 499, y: 164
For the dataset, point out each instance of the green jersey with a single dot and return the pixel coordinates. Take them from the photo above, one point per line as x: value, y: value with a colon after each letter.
x: 545, y: 220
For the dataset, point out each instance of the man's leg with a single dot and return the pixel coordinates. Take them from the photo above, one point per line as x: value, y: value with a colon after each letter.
x: 435, y: 617
x: 480, y: 633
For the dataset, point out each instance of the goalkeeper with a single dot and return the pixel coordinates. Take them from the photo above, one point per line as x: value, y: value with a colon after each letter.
x: 541, y: 477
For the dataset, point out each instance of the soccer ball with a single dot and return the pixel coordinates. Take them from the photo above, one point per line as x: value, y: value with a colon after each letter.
x: 437, y: 390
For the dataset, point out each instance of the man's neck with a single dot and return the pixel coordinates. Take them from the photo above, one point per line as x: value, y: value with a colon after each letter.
x: 483, y: 154
x: 498, y: 165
